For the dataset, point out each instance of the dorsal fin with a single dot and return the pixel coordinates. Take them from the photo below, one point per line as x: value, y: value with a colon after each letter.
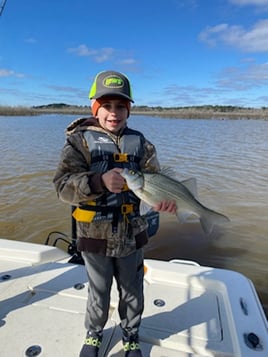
x: 191, y: 184
x: 168, y: 171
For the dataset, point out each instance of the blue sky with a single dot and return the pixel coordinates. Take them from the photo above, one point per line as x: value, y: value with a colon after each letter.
x: 175, y: 52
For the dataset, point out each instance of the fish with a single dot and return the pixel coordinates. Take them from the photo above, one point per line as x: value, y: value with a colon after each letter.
x: 155, y: 187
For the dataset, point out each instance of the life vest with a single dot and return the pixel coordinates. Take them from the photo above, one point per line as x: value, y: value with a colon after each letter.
x: 105, y: 155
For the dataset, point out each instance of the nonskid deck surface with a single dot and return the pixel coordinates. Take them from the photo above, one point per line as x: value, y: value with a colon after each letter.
x: 189, y: 310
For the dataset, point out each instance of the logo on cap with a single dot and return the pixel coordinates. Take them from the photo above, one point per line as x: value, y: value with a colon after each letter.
x: 113, y: 82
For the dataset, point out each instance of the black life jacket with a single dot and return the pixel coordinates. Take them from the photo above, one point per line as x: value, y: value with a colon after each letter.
x: 105, y: 155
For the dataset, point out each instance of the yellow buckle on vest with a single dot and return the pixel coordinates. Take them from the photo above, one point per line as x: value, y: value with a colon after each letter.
x: 127, y: 208
x: 118, y: 157
x: 82, y: 215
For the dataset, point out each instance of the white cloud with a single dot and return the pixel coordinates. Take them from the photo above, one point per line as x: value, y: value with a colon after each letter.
x: 128, y: 61
x: 5, y: 73
x: 73, y: 91
x: 252, y: 40
x: 82, y: 50
x: 230, y: 85
x: 250, y: 2
x: 244, y: 78
x: 105, y: 54
x: 98, y: 55
x: 9, y: 73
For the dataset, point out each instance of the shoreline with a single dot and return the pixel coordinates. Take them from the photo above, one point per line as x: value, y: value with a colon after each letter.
x: 176, y: 113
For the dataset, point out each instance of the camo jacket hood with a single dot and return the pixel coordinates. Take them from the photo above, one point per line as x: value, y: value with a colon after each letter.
x: 76, y: 184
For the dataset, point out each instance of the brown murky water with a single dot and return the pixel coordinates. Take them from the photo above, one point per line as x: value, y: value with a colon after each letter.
x: 228, y: 158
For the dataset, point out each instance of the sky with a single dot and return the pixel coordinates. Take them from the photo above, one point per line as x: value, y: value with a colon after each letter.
x: 176, y: 53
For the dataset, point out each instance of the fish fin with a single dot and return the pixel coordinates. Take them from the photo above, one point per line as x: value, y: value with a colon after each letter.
x: 182, y: 216
x: 144, y: 208
x: 211, y: 219
x: 186, y: 216
x: 191, y: 184
x: 168, y: 171
x: 206, y: 224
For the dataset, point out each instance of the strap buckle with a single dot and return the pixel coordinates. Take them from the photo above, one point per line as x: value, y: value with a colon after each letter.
x: 127, y: 208
x: 120, y: 157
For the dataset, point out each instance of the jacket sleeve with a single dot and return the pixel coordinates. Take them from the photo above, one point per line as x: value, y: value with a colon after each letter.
x: 74, y: 182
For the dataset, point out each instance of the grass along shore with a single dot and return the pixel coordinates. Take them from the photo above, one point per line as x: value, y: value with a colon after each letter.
x: 194, y: 112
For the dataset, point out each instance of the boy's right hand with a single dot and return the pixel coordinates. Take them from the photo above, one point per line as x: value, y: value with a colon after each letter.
x: 113, y: 181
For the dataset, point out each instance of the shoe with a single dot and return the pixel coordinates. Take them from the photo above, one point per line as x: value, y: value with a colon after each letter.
x: 91, y: 346
x: 131, y: 346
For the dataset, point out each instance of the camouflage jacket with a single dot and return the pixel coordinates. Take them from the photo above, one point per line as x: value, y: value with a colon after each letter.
x: 76, y: 184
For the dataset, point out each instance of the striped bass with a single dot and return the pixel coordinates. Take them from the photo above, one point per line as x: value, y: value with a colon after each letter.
x: 152, y: 188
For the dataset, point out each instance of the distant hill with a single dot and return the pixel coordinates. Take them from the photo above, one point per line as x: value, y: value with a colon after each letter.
x: 55, y: 106
x: 189, y: 112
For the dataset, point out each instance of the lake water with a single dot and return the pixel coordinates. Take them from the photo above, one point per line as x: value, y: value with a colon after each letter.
x: 229, y: 159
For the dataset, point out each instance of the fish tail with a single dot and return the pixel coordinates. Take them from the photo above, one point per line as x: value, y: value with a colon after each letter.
x: 210, y: 218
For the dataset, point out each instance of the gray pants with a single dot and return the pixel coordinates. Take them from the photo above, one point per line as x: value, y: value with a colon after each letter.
x: 128, y: 272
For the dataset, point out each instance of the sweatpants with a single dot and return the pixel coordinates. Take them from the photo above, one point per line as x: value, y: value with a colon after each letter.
x: 128, y: 272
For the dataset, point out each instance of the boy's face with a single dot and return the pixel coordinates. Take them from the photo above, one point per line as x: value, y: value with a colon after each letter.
x: 113, y: 114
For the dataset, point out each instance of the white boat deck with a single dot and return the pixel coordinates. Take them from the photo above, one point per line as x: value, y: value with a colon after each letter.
x: 190, y: 311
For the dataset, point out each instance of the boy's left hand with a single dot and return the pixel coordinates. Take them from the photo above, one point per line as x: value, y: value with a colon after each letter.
x: 166, y: 206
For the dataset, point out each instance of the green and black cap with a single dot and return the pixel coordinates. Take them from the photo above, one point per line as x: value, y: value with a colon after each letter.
x: 111, y: 83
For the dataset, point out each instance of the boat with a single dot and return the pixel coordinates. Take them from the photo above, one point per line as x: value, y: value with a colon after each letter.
x: 190, y: 310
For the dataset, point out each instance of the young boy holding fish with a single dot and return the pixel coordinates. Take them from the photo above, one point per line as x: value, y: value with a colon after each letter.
x: 111, y: 232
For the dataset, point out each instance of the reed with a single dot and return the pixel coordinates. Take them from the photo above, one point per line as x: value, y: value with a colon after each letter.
x: 202, y: 112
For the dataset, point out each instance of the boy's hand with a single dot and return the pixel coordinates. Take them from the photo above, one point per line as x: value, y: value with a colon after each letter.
x: 113, y: 181
x: 166, y: 206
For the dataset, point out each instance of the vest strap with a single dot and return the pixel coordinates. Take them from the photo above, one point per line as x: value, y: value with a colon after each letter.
x: 87, y: 213
x: 116, y: 157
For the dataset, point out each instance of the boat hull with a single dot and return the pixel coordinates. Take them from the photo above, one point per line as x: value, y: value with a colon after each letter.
x: 189, y: 310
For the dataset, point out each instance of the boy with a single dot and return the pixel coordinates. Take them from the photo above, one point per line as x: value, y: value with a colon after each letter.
x: 110, y: 230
